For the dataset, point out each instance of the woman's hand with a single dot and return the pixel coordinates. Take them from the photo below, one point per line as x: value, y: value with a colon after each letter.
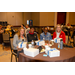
x: 19, y: 49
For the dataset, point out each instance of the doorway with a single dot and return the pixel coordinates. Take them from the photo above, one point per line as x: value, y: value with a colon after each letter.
x: 61, y: 17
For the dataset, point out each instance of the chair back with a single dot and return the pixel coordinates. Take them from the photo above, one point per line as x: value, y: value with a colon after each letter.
x: 11, y: 44
x: 71, y: 31
x: 66, y: 33
x: 74, y: 41
x: 1, y: 38
x: 13, y: 51
x: 66, y: 39
x: 5, y: 37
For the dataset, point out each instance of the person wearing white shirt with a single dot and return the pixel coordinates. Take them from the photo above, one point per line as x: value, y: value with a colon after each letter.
x: 27, y: 29
x: 58, y: 35
x: 23, y: 26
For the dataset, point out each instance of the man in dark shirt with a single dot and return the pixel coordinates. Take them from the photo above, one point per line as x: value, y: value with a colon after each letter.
x: 32, y: 35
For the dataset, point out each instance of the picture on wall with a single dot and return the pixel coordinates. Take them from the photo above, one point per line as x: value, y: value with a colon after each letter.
x: 30, y: 22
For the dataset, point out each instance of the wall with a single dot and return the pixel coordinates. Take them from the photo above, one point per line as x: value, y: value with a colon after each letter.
x: 39, y: 18
x: 19, y: 18
x: 72, y: 18
x: 35, y: 17
x: 26, y: 16
x: 46, y: 18
x: 3, y: 16
x: 43, y: 18
x: 13, y: 18
x: 67, y: 18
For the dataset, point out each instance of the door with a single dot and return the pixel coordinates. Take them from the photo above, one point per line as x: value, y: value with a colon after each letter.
x: 61, y: 17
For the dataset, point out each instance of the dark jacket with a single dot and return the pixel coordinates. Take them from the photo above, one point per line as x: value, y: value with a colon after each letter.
x: 31, y: 37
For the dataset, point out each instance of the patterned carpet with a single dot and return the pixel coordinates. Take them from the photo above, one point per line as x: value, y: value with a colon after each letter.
x: 5, y: 55
x: 6, y: 50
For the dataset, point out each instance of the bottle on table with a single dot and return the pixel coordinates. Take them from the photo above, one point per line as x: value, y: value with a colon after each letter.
x: 58, y: 45
x: 32, y: 43
x: 61, y: 44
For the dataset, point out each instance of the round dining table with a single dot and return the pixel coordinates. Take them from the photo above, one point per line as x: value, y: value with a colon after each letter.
x: 66, y: 55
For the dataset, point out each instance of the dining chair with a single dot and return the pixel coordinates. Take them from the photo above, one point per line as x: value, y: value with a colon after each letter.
x: 13, y: 50
x: 71, y: 34
x: 6, y: 39
x: 73, y: 38
x: 67, y: 37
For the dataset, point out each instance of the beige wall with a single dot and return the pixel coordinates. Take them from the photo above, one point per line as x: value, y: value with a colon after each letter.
x: 72, y: 18
x: 43, y: 18
x: 26, y: 16
x: 11, y: 18
x: 35, y: 17
x: 39, y: 18
x: 15, y: 18
x: 19, y: 18
x: 3, y: 16
x: 46, y: 18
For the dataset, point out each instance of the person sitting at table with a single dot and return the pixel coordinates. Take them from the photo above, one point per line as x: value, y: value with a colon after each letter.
x: 27, y: 29
x: 9, y: 30
x: 19, y: 37
x: 45, y: 35
x: 32, y: 35
x: 1, y: 30
x: 22, y: 26
x: 59, y: 33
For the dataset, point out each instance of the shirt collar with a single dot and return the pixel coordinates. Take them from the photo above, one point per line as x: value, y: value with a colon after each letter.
x: 46, y: 34
x: 31, y: 33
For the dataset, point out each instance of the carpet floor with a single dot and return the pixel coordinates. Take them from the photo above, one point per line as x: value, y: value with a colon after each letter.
x: 5, y: 55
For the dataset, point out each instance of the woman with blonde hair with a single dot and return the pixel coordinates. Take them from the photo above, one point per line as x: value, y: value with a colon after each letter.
x: 19, y: 37
x: 59, y: 33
